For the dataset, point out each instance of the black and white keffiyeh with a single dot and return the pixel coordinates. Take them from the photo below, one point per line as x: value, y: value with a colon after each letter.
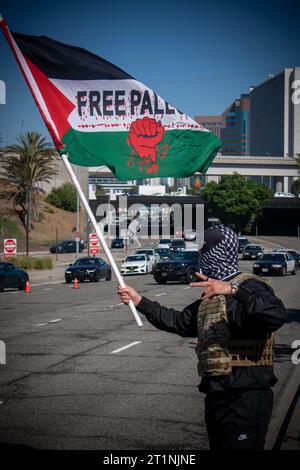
x: 219, y: 254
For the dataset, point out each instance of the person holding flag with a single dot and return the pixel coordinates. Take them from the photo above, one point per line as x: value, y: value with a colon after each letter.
x: 234, y: 320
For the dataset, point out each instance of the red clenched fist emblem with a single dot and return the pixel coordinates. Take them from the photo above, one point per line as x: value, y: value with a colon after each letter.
x: 144, y: 135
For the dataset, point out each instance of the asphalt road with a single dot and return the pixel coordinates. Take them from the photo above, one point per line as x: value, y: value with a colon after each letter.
x: 67, y: 384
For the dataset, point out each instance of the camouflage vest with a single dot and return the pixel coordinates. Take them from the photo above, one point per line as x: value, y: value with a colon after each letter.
x: 216, y: 352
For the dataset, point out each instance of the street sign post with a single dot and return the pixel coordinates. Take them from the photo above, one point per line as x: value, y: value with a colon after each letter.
x: 10, y: 247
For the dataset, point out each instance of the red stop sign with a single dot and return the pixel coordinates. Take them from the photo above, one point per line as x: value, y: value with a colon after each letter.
x: 10, y: 246
x: 94, y: 240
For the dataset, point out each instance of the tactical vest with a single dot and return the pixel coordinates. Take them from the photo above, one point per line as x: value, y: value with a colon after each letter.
x: 216, y: 352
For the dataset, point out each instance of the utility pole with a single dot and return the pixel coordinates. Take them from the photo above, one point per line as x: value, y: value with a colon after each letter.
x: 77, y: 218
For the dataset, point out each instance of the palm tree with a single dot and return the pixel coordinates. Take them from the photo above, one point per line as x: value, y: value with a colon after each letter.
x: 23, y: 168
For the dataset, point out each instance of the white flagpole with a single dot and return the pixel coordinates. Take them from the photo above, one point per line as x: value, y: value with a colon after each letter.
x: 99, y: 234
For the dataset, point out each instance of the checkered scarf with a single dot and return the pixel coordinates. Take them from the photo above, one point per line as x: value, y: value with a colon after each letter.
x: 219, y: 254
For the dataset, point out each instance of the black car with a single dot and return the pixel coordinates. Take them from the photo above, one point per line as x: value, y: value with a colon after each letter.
x: 12, y: 276
x: 117, y: 243
x: 91, y: 269
x: 67, y: 246
x: 243, y: 241
x: 177, y: 244
x: 275, y: 263
x: 252, y: 252
x: 163, y: 253
x: 182, y: 266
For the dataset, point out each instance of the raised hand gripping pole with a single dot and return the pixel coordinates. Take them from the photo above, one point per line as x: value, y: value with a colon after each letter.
x: 99, y: 234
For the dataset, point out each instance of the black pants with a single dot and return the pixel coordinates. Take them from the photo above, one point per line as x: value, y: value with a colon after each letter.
x: 238, y: 420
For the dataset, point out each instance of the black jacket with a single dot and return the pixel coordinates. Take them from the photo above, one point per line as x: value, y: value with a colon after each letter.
x: 253, y: 313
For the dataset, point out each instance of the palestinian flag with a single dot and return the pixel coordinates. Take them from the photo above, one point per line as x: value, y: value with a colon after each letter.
x: 100, y: 115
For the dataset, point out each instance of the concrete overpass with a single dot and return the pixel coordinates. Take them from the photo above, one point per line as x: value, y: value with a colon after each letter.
x: 283, y: 170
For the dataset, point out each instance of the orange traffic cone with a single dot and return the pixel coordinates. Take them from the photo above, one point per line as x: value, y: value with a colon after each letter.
x: 75, y: 286
x: 27, y: 287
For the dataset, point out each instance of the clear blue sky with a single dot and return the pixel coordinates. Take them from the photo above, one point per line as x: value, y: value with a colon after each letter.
x: 198, y: 55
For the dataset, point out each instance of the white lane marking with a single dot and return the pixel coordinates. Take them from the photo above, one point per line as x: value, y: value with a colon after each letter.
x: 125, y: 347
x: 117, y: 305
x: 48, y: 288
x: 162, y: 293
x: 187, y: 287
x: 50, y: 321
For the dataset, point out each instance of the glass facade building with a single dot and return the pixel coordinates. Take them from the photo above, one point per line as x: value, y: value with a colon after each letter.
x: 235, y: 135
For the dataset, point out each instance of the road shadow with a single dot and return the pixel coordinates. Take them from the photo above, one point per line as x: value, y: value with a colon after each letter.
x: 293, y: 315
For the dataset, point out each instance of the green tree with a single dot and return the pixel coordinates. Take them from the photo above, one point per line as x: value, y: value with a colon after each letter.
x: 24, y: 167
x: 295, y: 189
x: 298, y: 161
x: 64, y: 197
x: 236, y: 201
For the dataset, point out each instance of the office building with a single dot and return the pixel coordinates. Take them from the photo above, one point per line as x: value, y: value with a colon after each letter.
x: 275, y: 115
x: 235, y: 134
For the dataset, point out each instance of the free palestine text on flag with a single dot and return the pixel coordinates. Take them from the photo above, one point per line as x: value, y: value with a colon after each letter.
x: 100, y: 115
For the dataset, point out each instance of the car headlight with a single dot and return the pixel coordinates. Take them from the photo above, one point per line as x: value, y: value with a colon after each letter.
x: 276, y: 266
x: 142, y: 266
x: 256, y: 265
x: 91, y: 271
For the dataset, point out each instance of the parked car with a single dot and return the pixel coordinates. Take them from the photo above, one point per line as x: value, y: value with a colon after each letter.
x: 150, y: 252
x: 137, y: 264
x: 66, y: 246
x: 284, y: 194
x: 243, y: 241
x: 164, y: 243
x: 189, y: 235
x: 275, y: 263
x: 117, y: 243
x: 12, y: 276
x: 180, y: 267
x: 163, y: 253
x: 252, y: 251
x: 177, y: 244
x: 88, y: 269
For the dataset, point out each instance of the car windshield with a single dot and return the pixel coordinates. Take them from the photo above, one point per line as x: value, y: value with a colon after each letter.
x: 273, y: 257
x: 145, y: 252
x: 186, y: 255
x: 293, y: 253
x: 85, y: 261
x: 162, y: 251
x: 164, y: 241
x: 252, y: 247
x: 243, y: 241
x: 136, y: 258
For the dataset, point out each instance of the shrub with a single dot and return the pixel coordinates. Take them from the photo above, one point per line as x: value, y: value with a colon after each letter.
x: 63, y: 197
x: 29, y: 262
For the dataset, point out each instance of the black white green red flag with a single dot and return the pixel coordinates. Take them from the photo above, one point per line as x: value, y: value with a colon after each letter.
x: 100, y: 115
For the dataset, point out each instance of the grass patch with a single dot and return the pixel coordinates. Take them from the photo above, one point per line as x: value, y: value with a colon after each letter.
x: 10, y: 229
x: 30, y: 263
x: 49, y: 210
